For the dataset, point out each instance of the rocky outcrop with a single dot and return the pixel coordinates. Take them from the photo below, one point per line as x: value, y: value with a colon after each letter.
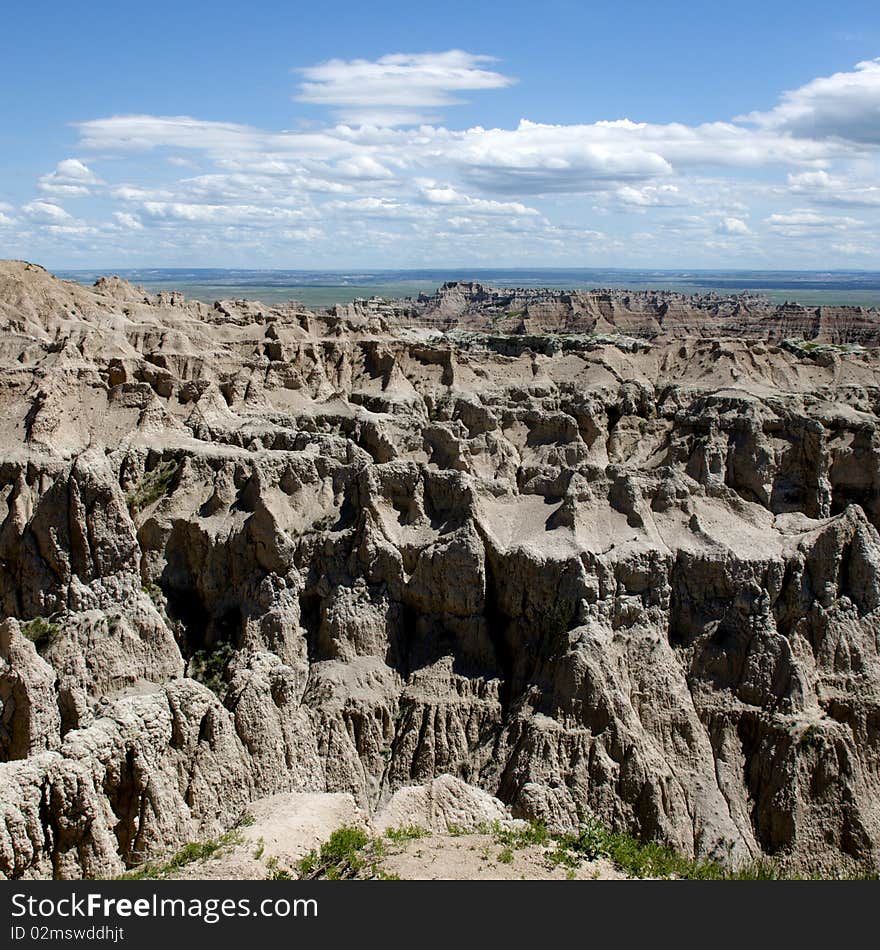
x: 248, y: 552
x: 650, y: 314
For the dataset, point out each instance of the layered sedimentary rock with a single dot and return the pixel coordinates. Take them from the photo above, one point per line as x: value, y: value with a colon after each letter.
x: 247, y: 551
x: 650, y: 314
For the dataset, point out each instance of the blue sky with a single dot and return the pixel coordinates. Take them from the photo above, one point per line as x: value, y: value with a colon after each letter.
x: 468, y: 134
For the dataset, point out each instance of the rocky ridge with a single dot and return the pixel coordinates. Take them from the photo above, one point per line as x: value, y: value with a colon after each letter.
x: 247, y: 551
x: 646, y: 314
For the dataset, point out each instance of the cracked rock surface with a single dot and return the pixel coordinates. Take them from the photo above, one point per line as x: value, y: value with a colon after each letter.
x: 251, y: 551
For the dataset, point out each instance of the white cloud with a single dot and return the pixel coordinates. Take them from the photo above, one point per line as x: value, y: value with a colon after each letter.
x: 649, y: 196
x: 732, y: 226
x: 71, y: 178
x: 437, y: 194
x: 130, y: 221
x: 45, y: 211
x: 181, y: 162
x: 397, y: 88
x: 345, y: 191
x: 134, y: 193
x: 72, y: 169
x: 219, y: 214
x: 302, y: 234
x: 802, y: 222
x: 144, y: 132
x: 533, y: 158
x: 822, y: 187
x: 536, y: 158
x: 363, y: 167
x: 372, y: 206
x: 844, y: 106
x: 851, y: 249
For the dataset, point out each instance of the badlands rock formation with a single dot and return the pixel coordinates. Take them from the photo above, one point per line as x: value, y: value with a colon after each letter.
x: 654, y: 314
x: 249, y: 551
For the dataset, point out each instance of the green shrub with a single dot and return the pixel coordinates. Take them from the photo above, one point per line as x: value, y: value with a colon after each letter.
x: 405, y: 833
x: 193, y: 851
x: 533, y: 833
x: 209, y: 664
x: 342, y: 856
x: 653, y: 859
x: 41, y: 631
x: 153, y: 486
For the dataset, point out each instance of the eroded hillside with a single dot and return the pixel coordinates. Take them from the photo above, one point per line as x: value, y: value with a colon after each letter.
x: 247, y: 550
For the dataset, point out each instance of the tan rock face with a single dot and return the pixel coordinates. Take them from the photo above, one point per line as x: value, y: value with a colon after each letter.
x: 583, y: 575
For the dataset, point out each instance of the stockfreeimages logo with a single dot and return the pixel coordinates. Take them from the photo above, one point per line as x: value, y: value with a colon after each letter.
x: 93, y: 906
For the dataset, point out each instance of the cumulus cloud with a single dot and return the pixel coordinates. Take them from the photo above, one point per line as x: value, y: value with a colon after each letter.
x: 363, y: 167
x: 802, y: 222
x: 532, y: 158
x: 732, y: 226
x: 446, y: 195
x: 649, y: 196
x: 219, y: 213
x: 46, y: 211
x: 130, y: 221
x: 822, y: 187
x: 538, y: 158
x: 371, y: 179
x: 302, y: 234
x: 397, y: 88
x: 373, y: 206
x: 843, y: 106
x: 71, y: 178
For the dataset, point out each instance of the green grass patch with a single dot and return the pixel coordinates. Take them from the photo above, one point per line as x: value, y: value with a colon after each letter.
x: 154, y: 485
x: 351, y: 853
x: 531, y: 834
x: 278, y: 874
x: 406, y: 833
x: 189, y: 853
x: 341, y: 856
x: 40, y: 631
x: 655, y: 860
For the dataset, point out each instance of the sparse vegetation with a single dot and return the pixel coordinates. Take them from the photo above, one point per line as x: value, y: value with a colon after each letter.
x: 811, y: 347
x: 41, y: 632
x: 322, y: 524
x: 556, y: 619
x: 811, y: 735
x: 209, y: 664
x: 189, y: 853
x: 155, y: 593
x: 277, y: 873
x: 352, y: 853
x: 153, y: 486
x: 342, y: 856
x: 506, y: 315
x: 532, y: 833
x: 655, y: 860
x: 405, y: 833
